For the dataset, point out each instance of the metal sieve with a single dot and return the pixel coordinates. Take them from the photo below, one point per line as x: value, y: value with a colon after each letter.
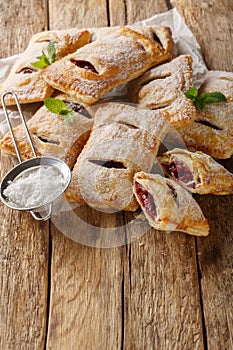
x: 31, y: 164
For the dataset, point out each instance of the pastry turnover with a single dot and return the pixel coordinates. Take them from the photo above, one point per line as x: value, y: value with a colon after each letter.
x: 163, y: 88
x: 51, y: 135
x: 161, y: 34
x: 100, y: 66
x: 168, y: 206
x: 197, y: 172
x: 124, y: 140
x: 212, y: 129
x: 24, y: 79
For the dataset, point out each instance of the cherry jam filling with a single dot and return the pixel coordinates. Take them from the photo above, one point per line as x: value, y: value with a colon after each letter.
x: 84, y: 64
x: 146, y: 200
x: 76, y: 107
x: 26, y: 70
x: 181, y: 172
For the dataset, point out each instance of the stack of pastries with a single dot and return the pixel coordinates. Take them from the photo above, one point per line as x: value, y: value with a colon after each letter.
x: 112, y: 146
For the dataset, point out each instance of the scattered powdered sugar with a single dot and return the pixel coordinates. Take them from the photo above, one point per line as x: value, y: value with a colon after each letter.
x: 35, y: 187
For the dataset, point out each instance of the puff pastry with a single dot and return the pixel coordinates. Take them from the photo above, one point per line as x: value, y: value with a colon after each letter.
x: 161, y: 34
x: 24, y: 79
x: 51, y: 135
x: 163, y: 88
x: 197, y: 172
x: 212, y: 129
x: 104, y: 64
x: 124, y: 140
x: 168, y: 206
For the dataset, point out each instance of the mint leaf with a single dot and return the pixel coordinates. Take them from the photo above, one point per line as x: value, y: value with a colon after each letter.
x: 57, y: 106
x: 212, y: 97
x: 45, y: 60
x: 201, y: 100
x: 68, y: 114
x: 192, y: 93
x: 51, y: 52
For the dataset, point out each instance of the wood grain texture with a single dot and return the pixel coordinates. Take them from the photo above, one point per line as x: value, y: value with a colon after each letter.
x: 82, y: 14
x: 161, y: 294
x: 23, y: 283
x: 127, y: 12
x: 19, y: 20
x: 24, y: 242
x: 211, y: 22
x: 215, y: 252
x: 86, y: 283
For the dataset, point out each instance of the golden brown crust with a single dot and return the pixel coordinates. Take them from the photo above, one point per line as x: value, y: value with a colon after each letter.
x: 117, y: 58
x: 169, y: 207
x: 120, y: 145
x: 211, y: 130
x: 197, y: 172
x: 51, y: 136
x: 163, y: 88
x: 161, y: 34
x: 30, y: 86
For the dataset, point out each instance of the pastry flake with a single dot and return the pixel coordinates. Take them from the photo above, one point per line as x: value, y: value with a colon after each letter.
x: 100, y: 66
x: 51, y: 135
x: 168, y: 206
x: 197, y: 172
x: 163, y: 88
x: 124, y: 140
x: 211, y: 130
x: 26, y: 80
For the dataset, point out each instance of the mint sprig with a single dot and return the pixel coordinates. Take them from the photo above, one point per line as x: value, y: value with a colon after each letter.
x: 57, y: 106
x: 45, y: 60
x: 200, y: 100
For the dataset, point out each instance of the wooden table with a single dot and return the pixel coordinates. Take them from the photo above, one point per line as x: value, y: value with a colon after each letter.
x: 163, y: 291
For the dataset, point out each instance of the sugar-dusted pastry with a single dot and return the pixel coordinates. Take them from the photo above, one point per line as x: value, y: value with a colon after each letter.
x: 163, y: 88
x: 168, y: 206
x: 212, y: 129
x: 26, y: 80
x: 161, y: 34
x: 100, y: 66
x: 197, y: 172
x: 124, y: 140
x: 219, y: 81
x: 51, y: 135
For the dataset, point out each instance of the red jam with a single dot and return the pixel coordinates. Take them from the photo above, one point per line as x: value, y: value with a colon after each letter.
x: 84, y: 64
x: 146, y: 200
x: 181, y: 172
x: 26, y: 70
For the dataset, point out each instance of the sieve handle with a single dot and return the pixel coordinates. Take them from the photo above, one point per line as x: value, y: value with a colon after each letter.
x: 46, y: 217
x: 10, y: 126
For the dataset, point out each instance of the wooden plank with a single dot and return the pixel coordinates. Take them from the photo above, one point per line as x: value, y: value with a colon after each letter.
x: 161, y: 289
x: 215, y: 252
x: 66, y: 14
x: 86, y: 283
x: 19, y: 21
x: 127, y: 11
x: 24, y: 242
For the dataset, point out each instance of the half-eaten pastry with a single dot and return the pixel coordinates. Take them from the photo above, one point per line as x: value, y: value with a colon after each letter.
x: 26, y: 80
x: 51, y: 135
x: 124, y: 140
x: 197, y: 172
x: 163, y: 88
x: 168, y: 206
x: 100, y: 66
